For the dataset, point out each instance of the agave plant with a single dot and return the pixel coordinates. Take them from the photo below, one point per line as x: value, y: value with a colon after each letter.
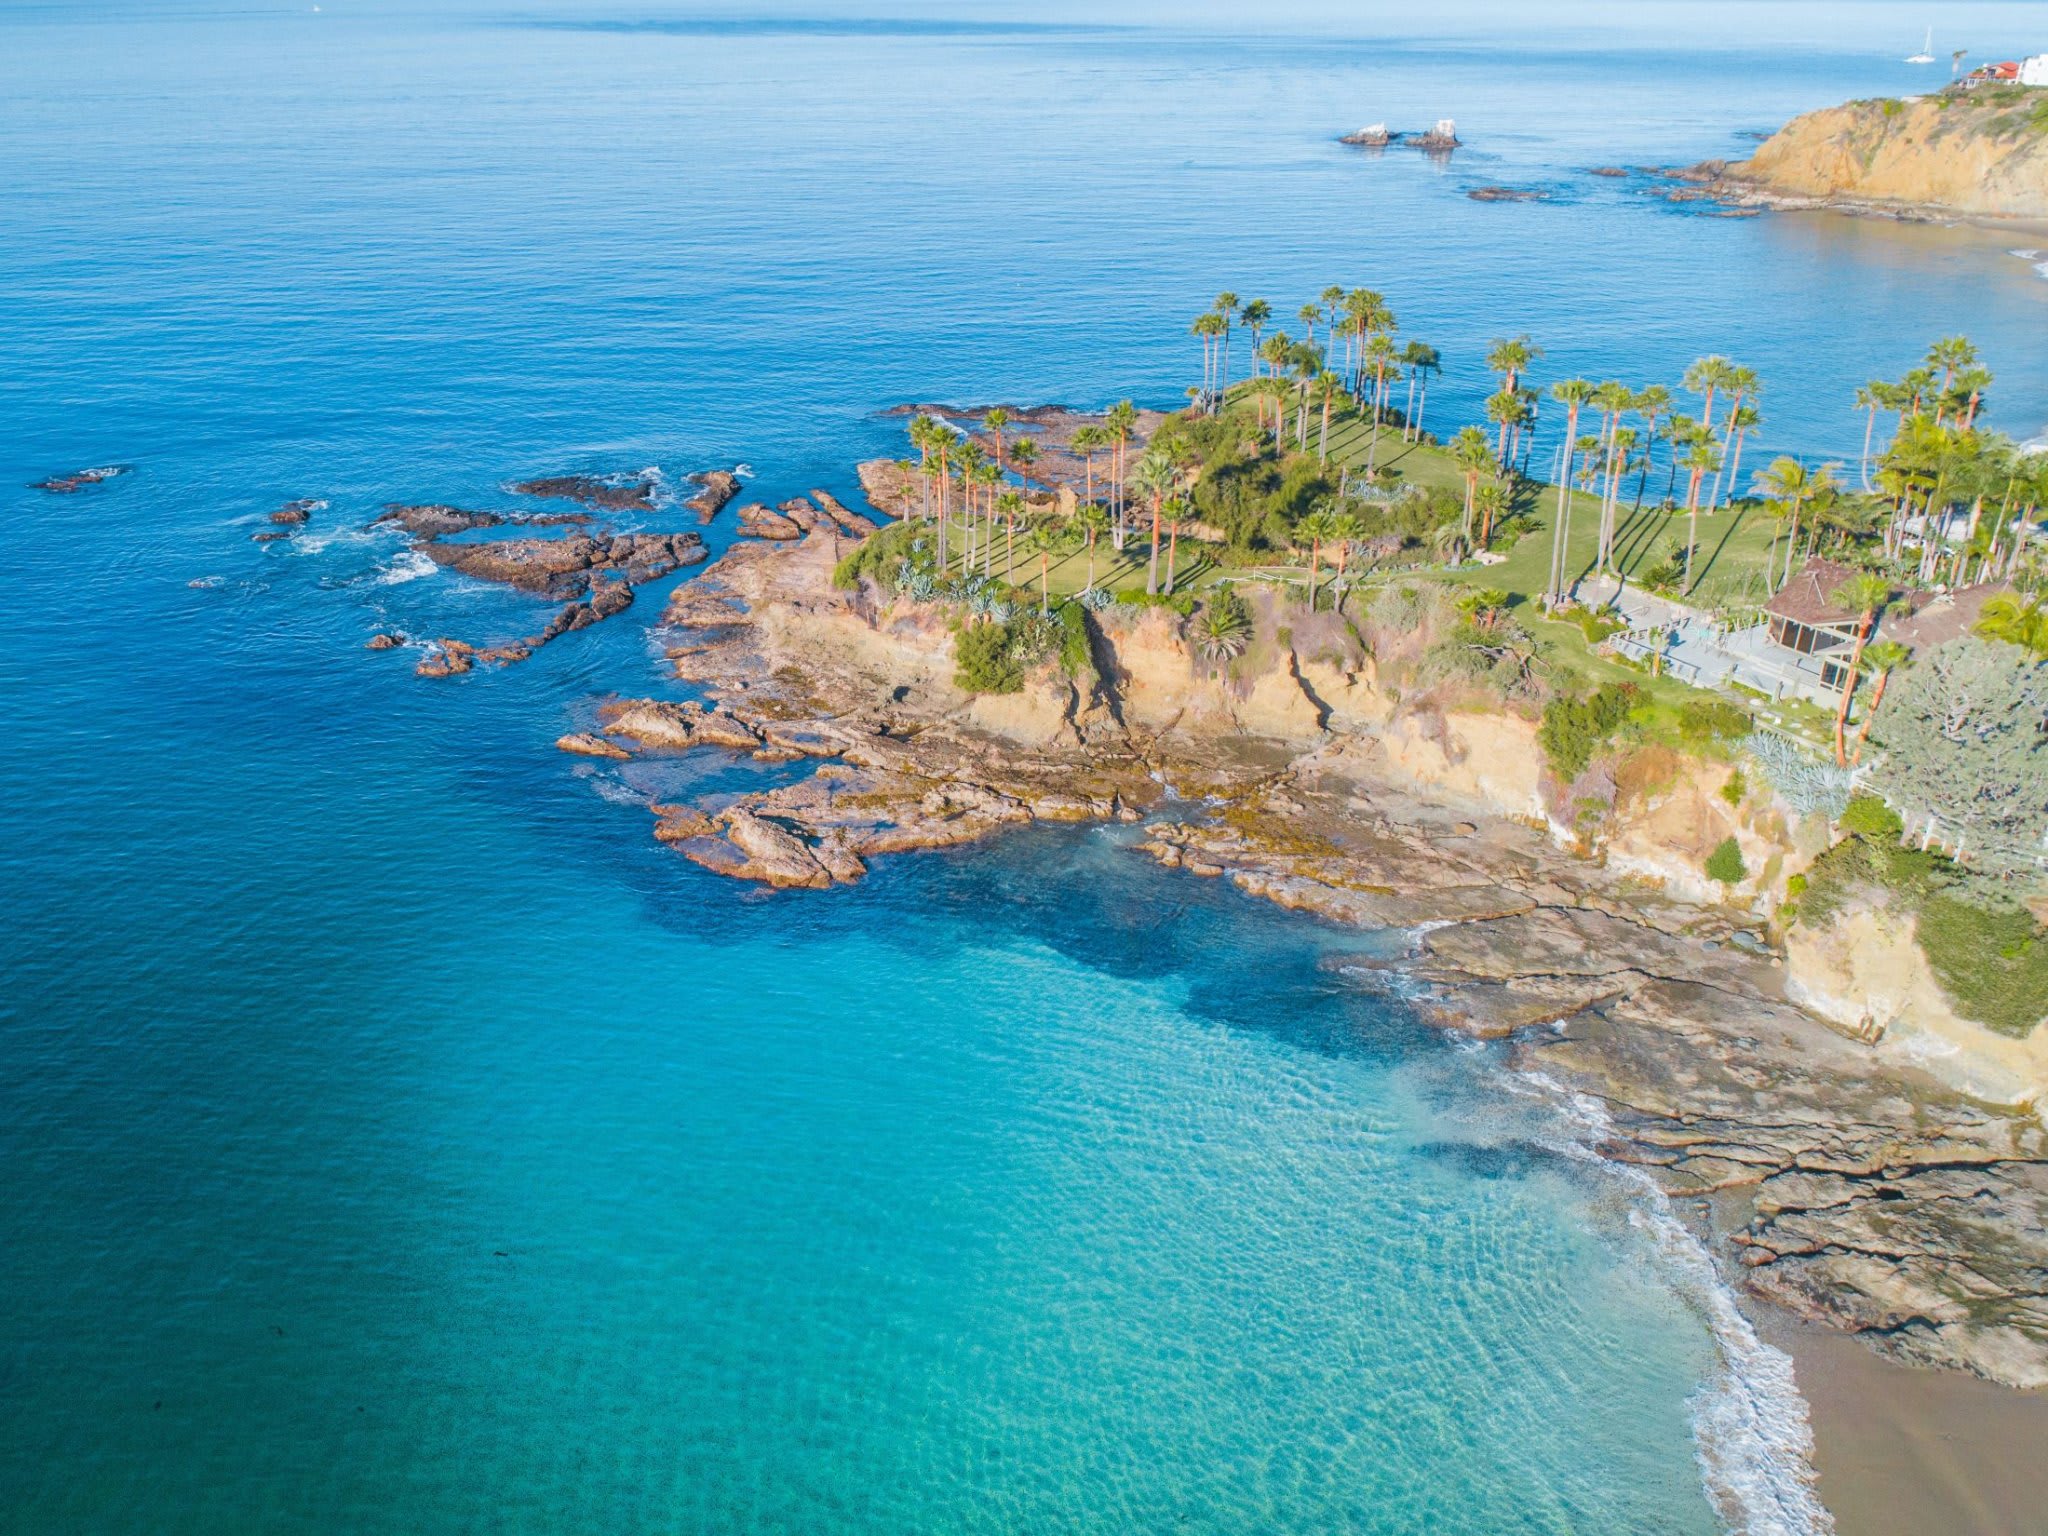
x: 1096, y: 599
x: 1224, y: 627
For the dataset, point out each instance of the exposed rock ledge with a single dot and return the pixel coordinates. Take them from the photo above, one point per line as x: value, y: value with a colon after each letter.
x: 1849, y: 1187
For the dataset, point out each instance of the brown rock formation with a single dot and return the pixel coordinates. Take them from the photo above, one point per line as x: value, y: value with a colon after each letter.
x: 718, y: 487
x: 610, y: 495
x: 586, y: 745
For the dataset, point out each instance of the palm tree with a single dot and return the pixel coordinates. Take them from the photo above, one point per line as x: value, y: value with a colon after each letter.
x: 1491, y: 501
x: 1742, y: 385
x: 1505, y: 409
x: 1742, y: 420
x: 972, y: 459
x: 1345, y: 532
x: 1226, y: 306
x: 1951, y: 355
x: 1474, y: 455
x: 1210, y: 327
x: 1885, y: 658
x: 1308, y: 315
x: 1093, y: 522
x: 1023, y: 454
x: 1088, y: 441
x: 1419, y: 358
x: 1176, y: 509
x: 1865, y: 593
x: 1871, y: 398
x: 1329, y: 390
x: 1612, y: 400
x: 988, y: 477
x: 1573, y: 395
x: 1156, y: 476
x: 1653, y: 401
x: 1703, y: 378
x: 1254, y: 317
x: 1120, y: 420
x: 1380, y: 356
x: 1009, y: 504
x: 1791, y: 484
x: 995, y: 421
x: 1702, y: 458
x: 1509, y: 359
x: 1315, y: 527
x: 2017, y: 622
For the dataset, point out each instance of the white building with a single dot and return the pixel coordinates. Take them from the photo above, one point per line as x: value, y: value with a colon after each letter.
x: 2034, y: 71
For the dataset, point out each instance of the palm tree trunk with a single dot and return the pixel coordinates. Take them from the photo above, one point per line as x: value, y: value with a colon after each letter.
x: 1172, y: 552
x: 1849, y: 689
x: 1876, y: 698
x: 1692, y: 536
x: 1152, y: 567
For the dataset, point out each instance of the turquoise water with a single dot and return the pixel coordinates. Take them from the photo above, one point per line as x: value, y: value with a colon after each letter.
x: 396, y: 1139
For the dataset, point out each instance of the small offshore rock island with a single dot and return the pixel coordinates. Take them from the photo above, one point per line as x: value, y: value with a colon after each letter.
x: 1406, y: 684
x: 1978, y: 149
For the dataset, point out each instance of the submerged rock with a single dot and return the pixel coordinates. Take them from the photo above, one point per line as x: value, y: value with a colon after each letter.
x: 613, y: 495
x: 585, y: 744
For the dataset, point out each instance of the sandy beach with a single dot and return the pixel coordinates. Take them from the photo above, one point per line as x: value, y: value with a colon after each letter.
x: 1904, y: 1451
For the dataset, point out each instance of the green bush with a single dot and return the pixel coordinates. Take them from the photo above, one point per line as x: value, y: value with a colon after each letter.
x: 1574, y: 730
x: 1736, y: 787
x: 1077, y: 654
x: 1705, y: 722
x: 1182, y: 603
x: 986, y: 660
x: 1992, y: 960
x: 881, y: 553
x: 1725, y: 863
x: 1868, y: 816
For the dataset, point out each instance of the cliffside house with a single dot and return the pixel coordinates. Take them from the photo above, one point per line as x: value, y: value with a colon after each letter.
x: 1807, y: 618
x: 2034, y: 70
x: 2006, y: 72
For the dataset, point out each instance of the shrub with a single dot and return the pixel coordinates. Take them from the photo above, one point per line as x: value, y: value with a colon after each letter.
x: 1574, y: 729
x: 1868, y: 816
x: 1705, y: 722
x: 1224, y: 628
x: 1182, y: 603
x: 1736, y: 787
x: 1725, y: 863
x: 1077, y: 655
x: 881, y: 554
x: 987, y: 664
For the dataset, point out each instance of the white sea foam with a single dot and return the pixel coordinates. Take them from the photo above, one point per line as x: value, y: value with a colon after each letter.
x: 743, y: 471
x: 2038, y: 260
x: 1751, y: 1431
x: 407, y: 565
x: 609, y: 788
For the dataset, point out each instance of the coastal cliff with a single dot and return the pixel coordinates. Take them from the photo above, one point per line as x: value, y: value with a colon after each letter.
x: 1868, y: 1188
x: 1982, y: 154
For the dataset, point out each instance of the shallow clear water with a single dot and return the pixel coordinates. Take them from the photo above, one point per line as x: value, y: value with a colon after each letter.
x: 397, y: 1139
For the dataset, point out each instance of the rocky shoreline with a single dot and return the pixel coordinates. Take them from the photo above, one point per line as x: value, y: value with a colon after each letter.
x: 1834, y: 1182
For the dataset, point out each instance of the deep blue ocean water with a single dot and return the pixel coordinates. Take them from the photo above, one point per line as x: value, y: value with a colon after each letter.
x: 397, y: 1139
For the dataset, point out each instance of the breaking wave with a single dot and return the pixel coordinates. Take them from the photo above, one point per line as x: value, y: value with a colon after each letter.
x: 1751, y: 1431
x: 408, y: 565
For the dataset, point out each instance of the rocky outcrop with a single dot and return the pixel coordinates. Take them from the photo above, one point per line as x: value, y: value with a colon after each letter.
x: 762, y: 521
x: 584, y: 744
x: 565, y: 567
x: 446, y: 658
x: 1972, y: 153
x: 611, y: 495
x: 716, y: 488
x: 389, y: 641
x: 78, y: 480
x: 295, y: 513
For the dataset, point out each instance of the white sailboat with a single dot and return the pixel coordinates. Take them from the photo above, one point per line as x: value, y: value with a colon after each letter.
x: 1926, y: 53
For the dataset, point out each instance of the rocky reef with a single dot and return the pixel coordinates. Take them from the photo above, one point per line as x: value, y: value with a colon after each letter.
x: 592, y: 575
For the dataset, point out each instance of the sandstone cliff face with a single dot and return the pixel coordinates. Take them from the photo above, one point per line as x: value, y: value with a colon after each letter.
x: 1953, y: 153
x: 1865, y: 972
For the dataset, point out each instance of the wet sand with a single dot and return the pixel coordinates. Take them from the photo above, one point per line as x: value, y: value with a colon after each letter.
x: 1904, y: 1451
